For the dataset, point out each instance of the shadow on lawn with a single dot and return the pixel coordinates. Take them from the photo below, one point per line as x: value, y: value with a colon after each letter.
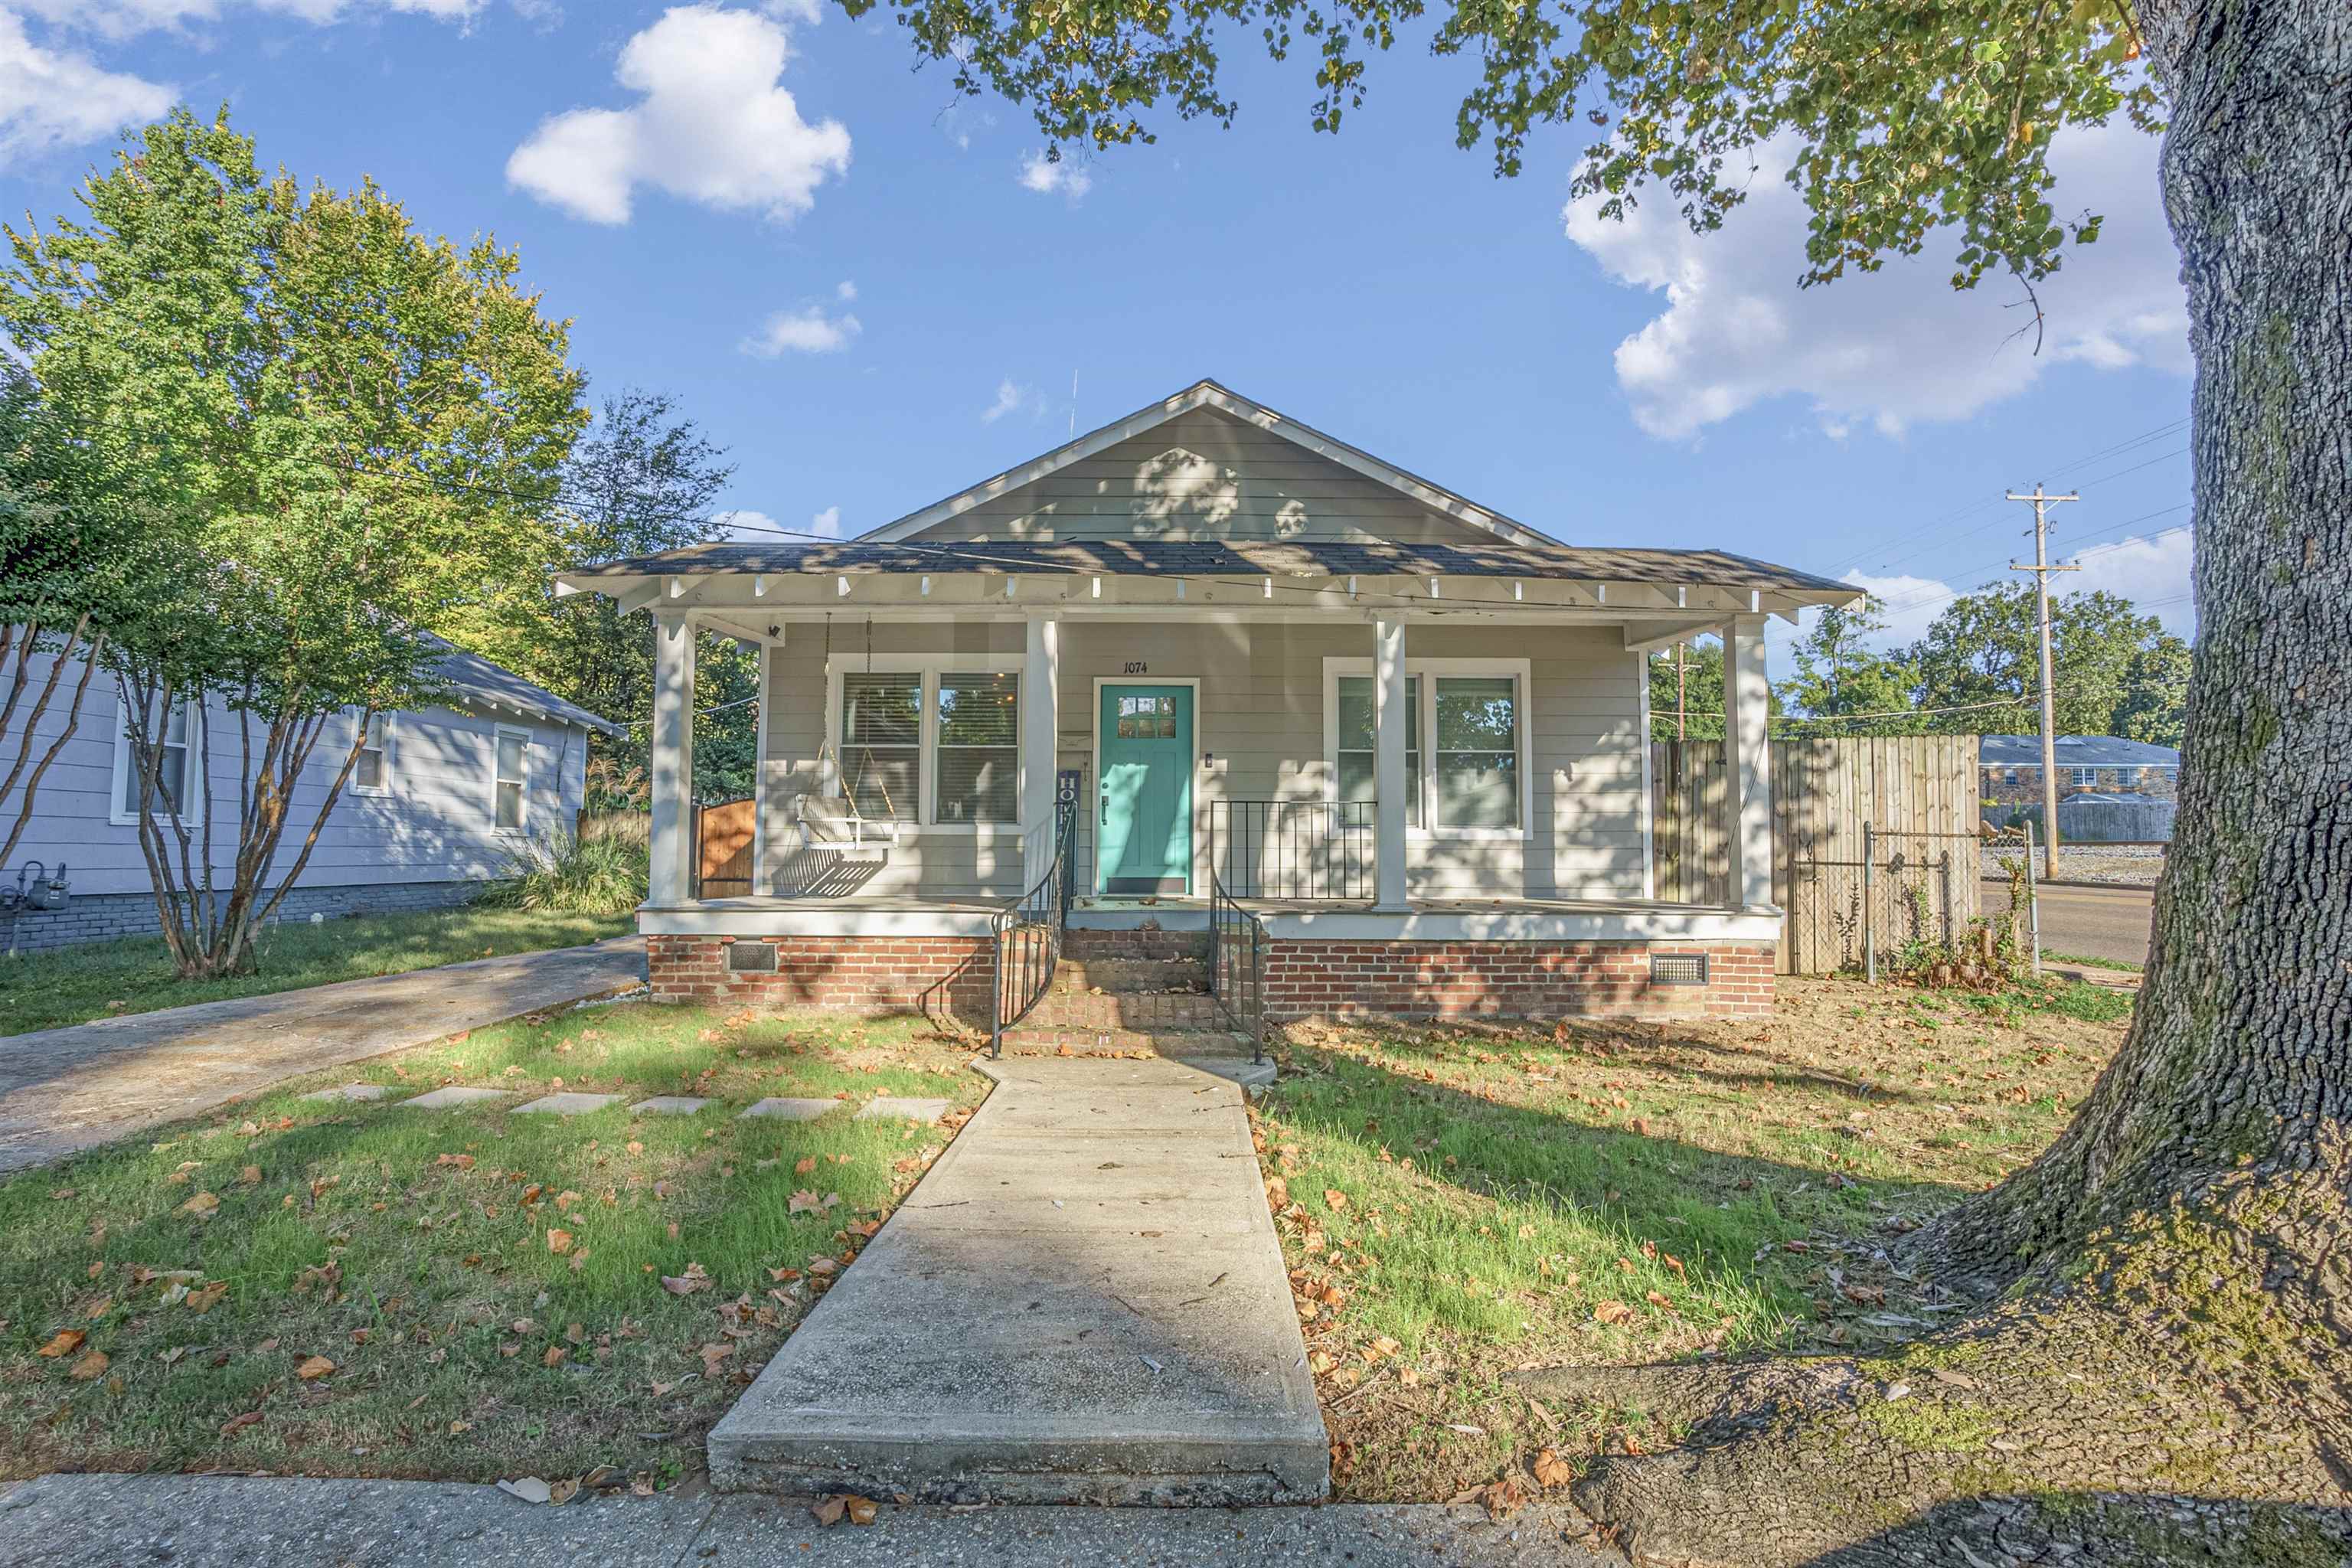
x: 1647, y: 1047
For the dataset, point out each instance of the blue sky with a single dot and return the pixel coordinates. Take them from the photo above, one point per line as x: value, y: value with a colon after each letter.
x: 873, y: 293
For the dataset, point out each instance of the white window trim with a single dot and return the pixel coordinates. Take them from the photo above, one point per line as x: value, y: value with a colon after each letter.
x: 355, y: 787
x: 929, y: 667
x: 1430, y: 671
x: 193, y: 813
x: 522, y: 797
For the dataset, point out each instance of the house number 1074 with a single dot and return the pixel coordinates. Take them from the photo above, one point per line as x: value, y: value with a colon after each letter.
x: 1134, y: 666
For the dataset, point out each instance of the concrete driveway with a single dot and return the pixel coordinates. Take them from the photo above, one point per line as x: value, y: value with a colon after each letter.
x: 71, y: 1089
x: 2086, y: 921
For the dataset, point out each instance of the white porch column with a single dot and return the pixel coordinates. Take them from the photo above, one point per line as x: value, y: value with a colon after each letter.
x: 1040, y: 737
x: 672, y: 763
x: 1748, y: 708
x: 1388, y: 699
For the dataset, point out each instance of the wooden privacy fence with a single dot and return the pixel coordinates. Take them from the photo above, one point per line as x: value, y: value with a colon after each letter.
x: 1918, y: 794
x: 722, y: 850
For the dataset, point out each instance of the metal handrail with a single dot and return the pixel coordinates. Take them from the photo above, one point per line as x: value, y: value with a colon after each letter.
x: 1295, y: 849
x: 1237, y: 964
x: 1030, y: 961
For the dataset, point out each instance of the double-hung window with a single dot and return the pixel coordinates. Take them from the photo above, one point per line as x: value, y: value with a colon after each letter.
x: 1358, y: 739
x: 976, y: 768
x: 510, y: 786
x: 371, y: 775
x: 176, y: 775
x: 1466, y: 742
x: 2087, y: 778
x: 881, y: 746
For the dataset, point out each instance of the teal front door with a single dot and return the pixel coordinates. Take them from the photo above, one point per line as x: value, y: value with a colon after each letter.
x: 1143, y: 815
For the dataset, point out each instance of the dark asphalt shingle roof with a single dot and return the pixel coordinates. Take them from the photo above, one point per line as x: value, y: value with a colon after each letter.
x: 2075, y: 752
x: 1186, y: 557
x: 470, y: 677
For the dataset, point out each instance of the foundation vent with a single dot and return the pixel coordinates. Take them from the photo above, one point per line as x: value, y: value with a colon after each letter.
x: 751, y: 958
x: 1677, y: 969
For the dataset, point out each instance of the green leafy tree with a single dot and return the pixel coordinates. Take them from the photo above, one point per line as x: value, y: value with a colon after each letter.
x: 2162, y: 1296
x: 2156, y: 693
x: 1985, y: 647
x: 342, y: 435
x: 1838, y: 674
x: 1691, y: 689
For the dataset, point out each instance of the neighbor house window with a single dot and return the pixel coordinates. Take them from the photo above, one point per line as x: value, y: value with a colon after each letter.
x: 881, y: 745
x: 1359, y: 735
x: 977, y: 770
x: 1478, y: 752
x: 2086, y: 777
x: 513, y: 779
x: 371, y: 775
x: 174, y: 767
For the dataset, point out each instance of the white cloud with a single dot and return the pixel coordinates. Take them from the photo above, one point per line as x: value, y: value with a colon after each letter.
x: 743, y: 523
x: 50, y: 99
x: 128, y: 18
x: 2149, y: 571
x: 1047, y: 177
x: 845, y: 291
x: 1907, y: 603
x: 807, y: 12
x: 1892, y: 347
x: 808, y: 330
x: 826, y: 522
x: 1008, y: 397
x: 712, y: 126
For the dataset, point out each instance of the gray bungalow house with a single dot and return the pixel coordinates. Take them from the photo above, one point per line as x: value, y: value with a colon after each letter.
x: 440, y: 800
x: 1208, y: 667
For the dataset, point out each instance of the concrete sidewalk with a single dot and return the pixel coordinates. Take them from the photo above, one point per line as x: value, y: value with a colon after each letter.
x: 71, y: 1089
x: 193, y: 1521
x: 1083, y: 1301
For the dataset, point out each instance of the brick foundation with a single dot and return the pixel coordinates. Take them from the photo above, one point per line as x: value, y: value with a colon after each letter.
x: 102, y: 917
x: 1509, y: 980
x: 951, y: 979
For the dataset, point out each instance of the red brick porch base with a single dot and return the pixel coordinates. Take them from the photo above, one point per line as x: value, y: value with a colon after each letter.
x: 1509, y: 980
x: 947, y: 978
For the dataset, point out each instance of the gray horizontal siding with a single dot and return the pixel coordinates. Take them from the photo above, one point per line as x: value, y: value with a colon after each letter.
x: 1259, y: 721
x: 1203, y: 474
x: 432, y: 826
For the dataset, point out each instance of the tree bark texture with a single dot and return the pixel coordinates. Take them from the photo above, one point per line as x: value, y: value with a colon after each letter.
x: 2166, y: 1372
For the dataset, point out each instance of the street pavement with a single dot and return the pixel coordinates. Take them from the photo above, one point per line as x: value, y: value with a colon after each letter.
x: 2086, y: 921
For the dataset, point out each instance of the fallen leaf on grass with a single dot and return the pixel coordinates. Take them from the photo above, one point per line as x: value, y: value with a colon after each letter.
x: 235, y: 1423
x: 554, y: 1356
x: 250, y: 1175
x: 1336, y: 1199
x: 67, y: 1342
x: 713, y: 1353
x: 314, y: 1368
x: 688, y: 1283
x: 203, y: 1206
x: 1613, y: 1312
x: 803, y: 1167
x: 559, y: 1242
x: 1551, y: 1471
x: 90, y: 1366
x: 463, y: 1163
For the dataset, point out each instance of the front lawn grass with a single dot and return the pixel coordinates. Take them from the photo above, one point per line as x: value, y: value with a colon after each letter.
x: 1459, y: 1202
x: 464, y: 1294
x: 108, y: 979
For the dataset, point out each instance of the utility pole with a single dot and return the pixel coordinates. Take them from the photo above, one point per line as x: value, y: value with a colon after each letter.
x: 1680, y: 688
x: 2042, y: 570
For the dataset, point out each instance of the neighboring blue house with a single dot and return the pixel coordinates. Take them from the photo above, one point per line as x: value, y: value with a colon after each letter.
x: 437, y: 805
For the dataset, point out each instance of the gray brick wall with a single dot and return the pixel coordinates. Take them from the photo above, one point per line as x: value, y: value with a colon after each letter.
x: 102, y: 916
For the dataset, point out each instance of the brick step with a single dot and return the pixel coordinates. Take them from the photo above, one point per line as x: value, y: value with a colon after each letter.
x: 1139, y: 1010
x: 1086, y: 944
x: 1130, y: 976
x: 1050, y: 1041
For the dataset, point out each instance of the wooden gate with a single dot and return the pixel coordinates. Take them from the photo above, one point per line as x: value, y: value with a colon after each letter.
x: 722, y: 850
x: 1919, y: 795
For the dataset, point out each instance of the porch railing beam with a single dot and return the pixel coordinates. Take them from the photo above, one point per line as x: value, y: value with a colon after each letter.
x: 1746, y: 706
x: 1040, y: 731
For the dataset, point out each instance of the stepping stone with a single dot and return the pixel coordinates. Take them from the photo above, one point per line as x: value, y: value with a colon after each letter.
x: 443, y: 1098
x: 352, y: 1091
x: 567, y: 1104
x: 894, y: 1109
x: 668, y: 1105
x: 793, y: 1110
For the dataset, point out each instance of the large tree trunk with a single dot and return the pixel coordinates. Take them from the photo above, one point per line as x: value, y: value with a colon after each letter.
x: 2174, y: 1277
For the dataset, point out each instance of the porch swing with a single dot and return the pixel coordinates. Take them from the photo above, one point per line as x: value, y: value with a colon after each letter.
x: 833, y: 824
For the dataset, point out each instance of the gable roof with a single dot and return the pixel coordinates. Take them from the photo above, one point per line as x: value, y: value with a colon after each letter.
x: 1239, y: 557
x: 473, y: 678
x: 1208, y: 393
x: 2075, y: 752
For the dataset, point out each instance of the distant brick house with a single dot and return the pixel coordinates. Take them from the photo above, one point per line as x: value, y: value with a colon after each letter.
x: 2011, y: 768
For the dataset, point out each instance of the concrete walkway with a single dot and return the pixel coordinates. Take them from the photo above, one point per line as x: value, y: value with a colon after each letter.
x: 71, y: 1089
x: 193, y: 1522
x: 1083, y: 1301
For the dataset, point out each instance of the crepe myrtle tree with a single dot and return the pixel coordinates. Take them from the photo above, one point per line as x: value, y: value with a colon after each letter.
x: 2166, y: 1294
x: 344, y: 435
